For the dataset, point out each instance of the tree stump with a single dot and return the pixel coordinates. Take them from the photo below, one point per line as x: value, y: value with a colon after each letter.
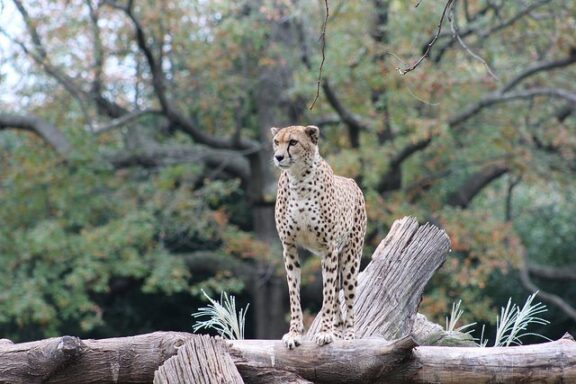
x: 202, y: 359
x: 390, y: 287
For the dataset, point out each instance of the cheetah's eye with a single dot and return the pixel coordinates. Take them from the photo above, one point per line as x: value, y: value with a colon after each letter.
x: 293, y: 142
x: 275, y: 142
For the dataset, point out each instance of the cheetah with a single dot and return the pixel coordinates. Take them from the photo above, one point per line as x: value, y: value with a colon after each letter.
x: 325, y: 214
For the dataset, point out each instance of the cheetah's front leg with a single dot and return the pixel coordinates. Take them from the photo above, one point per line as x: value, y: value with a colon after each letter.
x: 329, y: 274
x: 291, y: 262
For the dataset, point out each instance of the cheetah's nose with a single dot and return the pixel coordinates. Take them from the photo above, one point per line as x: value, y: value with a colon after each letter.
x: 279, y: 157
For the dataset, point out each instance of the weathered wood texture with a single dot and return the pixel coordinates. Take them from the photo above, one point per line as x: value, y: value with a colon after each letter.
x: 354, y: 361
x: 553, y: 362
x: 71, y: 360
x: 390, y: 287
x: 378, y: 361
x: 134, y: 360
x: 202, y: 359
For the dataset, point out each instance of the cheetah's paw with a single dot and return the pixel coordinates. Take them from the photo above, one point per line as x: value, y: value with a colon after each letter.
x: 292, y: 339
x: 325, y: 337
x: 349, y: 334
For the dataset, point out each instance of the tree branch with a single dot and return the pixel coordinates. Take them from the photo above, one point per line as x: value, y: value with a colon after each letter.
x: 40, y: 57
x: 152, y: 156
x: 538, y: 67
x: 122, y: 121
x: 98, y: 49
x: 49, y: 133
x: 404, y: 71
x: 392, y: 179
x: 355, y: 126
x: 474, y: 184
x: 556, y: 273
x: 497, y: 98
x: 483, y: 34
x: 549, y: 297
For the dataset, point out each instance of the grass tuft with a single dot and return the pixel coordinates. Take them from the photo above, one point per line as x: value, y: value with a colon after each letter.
x: 222, y: 317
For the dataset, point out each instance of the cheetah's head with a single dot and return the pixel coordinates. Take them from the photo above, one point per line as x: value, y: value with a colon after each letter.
x: 294, y: 145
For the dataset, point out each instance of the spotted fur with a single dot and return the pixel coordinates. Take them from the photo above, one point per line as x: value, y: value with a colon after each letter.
x: 325, y: 214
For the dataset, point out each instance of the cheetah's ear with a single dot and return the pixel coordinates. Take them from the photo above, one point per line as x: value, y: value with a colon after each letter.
x: 274, y: 131
x: 314, y: 133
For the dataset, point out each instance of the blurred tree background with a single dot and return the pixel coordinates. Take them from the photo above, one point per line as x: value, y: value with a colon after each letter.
x: 135, y: 160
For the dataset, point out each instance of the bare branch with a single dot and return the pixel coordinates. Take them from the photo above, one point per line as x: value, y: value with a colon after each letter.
x: 355, y: 126
x: 556, y: 273
x: 49, y: 133
x: 456, y: 35
x: 392, y: 179
x: 153, y: 155
x: 474, y: 184
x: 549, y: 297
x: 122, y: 121
x: 323, y: 39
x: 404, y: 71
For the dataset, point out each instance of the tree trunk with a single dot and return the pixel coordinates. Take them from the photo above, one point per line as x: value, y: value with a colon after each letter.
x: 273, y: 109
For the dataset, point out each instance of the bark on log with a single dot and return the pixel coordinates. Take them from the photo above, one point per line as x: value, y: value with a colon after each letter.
x: 343, y: 361
x: 201, y: 359
x: 552, y: 362
x: 134, y: 360
x: 68, y: 359
x: 364, y: 361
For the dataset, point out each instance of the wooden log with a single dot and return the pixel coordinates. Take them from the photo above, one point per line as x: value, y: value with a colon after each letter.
x: 375, y: 361
x: 390, y: 287
x: 68, y: 359
x: 42, y: 359
x: 343, y: 361
x: 202, y: 359
x: 552, y: 362
x: 134, y: 360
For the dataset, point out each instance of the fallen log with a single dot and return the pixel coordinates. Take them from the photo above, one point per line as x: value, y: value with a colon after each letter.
x: 68, y: 359
x: 378, y: 361
x: 135, y: 359
x: 343, y: 361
